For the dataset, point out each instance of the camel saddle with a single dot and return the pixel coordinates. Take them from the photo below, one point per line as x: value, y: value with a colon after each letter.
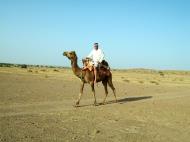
x: 88, y: 64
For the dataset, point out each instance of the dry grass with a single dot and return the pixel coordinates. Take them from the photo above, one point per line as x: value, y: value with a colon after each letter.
x: 154, y: 82
x: 56, y: 70
x: 161, y: 73
x: 29, y: 70
x: 141, y: 82
x: 43, y: 70
x: 126, y: 80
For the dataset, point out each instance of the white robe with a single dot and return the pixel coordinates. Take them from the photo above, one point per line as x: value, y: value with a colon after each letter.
x: 97, y: 56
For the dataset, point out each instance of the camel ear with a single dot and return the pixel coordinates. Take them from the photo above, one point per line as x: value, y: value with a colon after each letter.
x: 73, y: 52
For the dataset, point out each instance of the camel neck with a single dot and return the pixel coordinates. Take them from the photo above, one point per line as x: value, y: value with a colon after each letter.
x: 76, y: 69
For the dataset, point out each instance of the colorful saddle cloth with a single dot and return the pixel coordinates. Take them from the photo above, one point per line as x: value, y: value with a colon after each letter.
x: 88, y: 64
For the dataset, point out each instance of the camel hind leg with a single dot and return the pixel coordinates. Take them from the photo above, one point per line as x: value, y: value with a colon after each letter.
x: 106, y: 90
x: 112, y: 87
x: 93, y: 92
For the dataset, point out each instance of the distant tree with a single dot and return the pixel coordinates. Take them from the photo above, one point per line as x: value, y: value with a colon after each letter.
x: 161, y: 73
x: 24, y: 66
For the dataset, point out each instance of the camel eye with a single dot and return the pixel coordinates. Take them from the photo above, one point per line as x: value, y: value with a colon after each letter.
x: 73, y: 52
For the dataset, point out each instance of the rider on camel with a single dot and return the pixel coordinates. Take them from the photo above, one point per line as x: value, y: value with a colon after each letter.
x: 97, y: 57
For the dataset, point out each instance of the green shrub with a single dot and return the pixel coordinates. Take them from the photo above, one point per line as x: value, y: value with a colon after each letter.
x: 23, y: 66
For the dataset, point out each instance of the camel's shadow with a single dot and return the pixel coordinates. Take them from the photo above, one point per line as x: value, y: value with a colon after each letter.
x: 121, y: 101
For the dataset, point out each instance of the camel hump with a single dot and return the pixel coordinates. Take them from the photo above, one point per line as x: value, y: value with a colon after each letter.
x: 104, y: 64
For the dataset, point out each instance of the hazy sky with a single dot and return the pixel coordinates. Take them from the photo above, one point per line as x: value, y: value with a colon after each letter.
x: 132, y: 33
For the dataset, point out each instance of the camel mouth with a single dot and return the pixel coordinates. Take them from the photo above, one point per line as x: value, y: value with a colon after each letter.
x: 70, y: 55
x: 64, y: 53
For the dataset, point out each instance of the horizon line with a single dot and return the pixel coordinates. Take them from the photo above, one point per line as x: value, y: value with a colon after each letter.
x: 59, y: 66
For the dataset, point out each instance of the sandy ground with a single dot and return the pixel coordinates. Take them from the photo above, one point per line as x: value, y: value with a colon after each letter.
x: 37, y: 105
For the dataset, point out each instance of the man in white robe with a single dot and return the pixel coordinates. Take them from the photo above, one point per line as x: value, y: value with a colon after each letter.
x: 97, y: 57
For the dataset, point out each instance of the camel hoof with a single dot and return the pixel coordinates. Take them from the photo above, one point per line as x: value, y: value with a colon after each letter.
x: 103, y: 103
x: 95, y: 104
x: 77, y: 103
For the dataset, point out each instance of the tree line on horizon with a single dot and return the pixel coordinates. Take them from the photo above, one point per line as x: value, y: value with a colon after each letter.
x: 26, y: 65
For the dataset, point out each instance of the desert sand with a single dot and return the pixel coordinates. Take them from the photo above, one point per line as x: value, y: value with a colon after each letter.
x: 36, y: 104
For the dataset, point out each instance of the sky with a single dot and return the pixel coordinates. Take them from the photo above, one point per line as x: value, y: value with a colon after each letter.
x: 152, y: 34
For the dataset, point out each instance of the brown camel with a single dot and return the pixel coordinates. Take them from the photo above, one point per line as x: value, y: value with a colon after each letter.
x: 87, y: 76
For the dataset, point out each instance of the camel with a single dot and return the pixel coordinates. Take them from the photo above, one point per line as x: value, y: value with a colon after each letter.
x: 87, y: 76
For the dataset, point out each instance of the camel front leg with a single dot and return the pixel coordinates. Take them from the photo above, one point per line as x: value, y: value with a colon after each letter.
x: 93, y: 92
x: 80, y: 94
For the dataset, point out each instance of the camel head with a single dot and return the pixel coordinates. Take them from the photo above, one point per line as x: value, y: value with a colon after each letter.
x: 71, y: 55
